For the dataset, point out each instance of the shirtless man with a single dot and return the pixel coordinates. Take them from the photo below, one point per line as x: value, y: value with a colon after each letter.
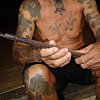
x: 60, y: 23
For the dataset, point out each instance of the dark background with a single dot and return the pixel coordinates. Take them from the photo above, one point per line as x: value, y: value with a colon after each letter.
x: 9, y: 13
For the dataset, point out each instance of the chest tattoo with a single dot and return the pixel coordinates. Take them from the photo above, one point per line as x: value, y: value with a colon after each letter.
x: 70, y: 23
x: 65, y: 24
x: 59, y: 7
x: 55, y: 28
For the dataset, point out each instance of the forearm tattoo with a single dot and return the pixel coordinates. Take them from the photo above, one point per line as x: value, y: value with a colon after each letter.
x: 25, y: 55
x: 37, y: 87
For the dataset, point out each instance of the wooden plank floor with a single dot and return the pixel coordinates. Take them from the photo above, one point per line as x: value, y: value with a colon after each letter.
x: 10, y: 73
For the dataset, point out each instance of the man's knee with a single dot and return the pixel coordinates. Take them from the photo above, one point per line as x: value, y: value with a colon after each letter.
x: 36, y: 74
x: 36, y: 70
x: 37, y: 80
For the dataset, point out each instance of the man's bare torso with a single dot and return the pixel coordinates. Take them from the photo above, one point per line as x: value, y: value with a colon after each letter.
x: 62, y: 22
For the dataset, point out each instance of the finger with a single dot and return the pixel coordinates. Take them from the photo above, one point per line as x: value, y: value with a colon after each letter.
x: 86, y: 49
x: 87, y: 64
x: 91, y: 63
x: 59, y: 54
x: 60, y: 61
x: 68, y: 60
x: 84, y: 58
x: 48, y: 51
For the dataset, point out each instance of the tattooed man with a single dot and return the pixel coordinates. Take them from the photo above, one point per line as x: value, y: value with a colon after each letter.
x: 60, y: 23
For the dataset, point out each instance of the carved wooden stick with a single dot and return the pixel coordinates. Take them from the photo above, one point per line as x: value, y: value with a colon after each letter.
x: 35, y: 44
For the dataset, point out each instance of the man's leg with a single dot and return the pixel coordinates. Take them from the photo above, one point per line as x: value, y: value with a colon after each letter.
x: 97, y: 85
x: 40, y: 83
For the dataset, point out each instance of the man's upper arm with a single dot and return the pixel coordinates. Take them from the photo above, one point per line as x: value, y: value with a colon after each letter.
x: 26, y: 18
x: 92, y: 15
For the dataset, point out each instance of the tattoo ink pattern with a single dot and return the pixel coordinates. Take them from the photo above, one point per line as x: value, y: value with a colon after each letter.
x: 55, y: 28
x: 59, y: 7
x: 26, y: 82
x: 25, y: 29
x: 25, y: 25
x: 91, y: 4
x: 26, y: 78
x: 70, y: 23
x: 81, y: 1
x: 88, y: 17
x: 25, y: 54
x: 95, y: 23
x: 38, y: 87
x: 93, y: 18
x: 34, y: 7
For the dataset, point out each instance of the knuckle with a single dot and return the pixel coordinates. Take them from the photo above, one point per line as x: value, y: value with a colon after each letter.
x: 82, y: 66
x: 52, y: 57
x: 42, y: 51
x: 45, y: 59
x: 83, y: 59
x: 55, y: 63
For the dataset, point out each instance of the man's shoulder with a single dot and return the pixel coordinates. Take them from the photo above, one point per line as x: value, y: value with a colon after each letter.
x: 32, y: 6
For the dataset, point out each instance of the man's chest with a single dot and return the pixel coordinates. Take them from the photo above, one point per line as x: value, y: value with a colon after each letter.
x: 60, y: 13
x: 64, y: 20
x: 58, y: 21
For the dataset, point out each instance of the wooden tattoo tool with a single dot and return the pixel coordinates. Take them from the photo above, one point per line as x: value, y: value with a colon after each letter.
x: 35, y: 44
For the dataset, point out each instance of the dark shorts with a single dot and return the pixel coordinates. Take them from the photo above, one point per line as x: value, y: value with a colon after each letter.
x: 70, y: 73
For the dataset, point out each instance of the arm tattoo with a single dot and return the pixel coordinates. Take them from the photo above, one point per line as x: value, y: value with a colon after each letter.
x: 24, y: 26
x: 30, y: 9
x: 91, y: 4
x: 93, y: 18
x: 24, y: 54
x: 33, y: 6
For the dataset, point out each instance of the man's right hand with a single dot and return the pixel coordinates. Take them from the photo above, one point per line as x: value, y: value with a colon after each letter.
x: 54, y: 56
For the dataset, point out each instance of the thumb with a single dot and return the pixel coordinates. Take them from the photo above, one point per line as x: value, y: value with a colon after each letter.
x: 52, y: 42
x: 86, y: 49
